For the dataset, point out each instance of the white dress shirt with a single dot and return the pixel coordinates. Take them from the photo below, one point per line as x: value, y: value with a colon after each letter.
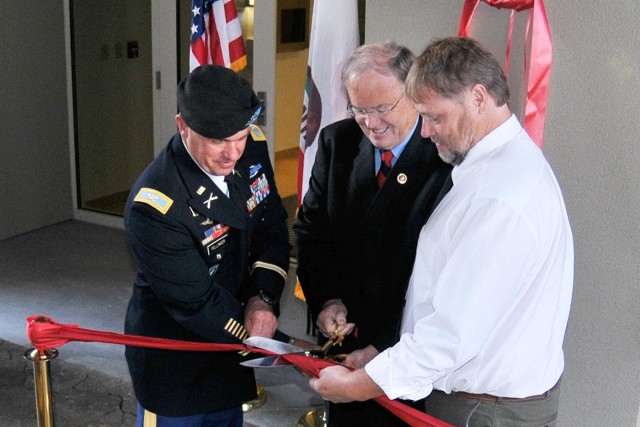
x: 489, y: 296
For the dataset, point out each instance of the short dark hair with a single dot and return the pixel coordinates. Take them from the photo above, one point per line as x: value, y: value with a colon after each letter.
x: 388, y: 58
x: 450, y: 65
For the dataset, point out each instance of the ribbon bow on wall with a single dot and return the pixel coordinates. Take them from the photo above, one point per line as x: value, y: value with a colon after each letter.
x: 539, y: 67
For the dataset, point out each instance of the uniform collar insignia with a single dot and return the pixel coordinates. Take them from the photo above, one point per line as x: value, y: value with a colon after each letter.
x: 209, y: 200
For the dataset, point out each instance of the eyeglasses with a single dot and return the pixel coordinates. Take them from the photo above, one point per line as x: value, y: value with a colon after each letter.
x: 377, y: 111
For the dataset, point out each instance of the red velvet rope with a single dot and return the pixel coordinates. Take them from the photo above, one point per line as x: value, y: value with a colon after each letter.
x: 45, y: 334
x: 539, y: 67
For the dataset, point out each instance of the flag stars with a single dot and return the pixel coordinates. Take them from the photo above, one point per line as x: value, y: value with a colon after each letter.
x: 222, y: 44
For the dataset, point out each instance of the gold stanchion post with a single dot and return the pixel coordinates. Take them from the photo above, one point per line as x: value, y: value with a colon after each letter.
x: 314, y: 418
x: 42, y: 384
x: 257, y: 402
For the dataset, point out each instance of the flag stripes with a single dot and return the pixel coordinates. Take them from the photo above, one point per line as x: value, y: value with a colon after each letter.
x: 216, y: 36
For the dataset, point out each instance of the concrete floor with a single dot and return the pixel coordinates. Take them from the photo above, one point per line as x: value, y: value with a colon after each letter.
x: 79, y: 273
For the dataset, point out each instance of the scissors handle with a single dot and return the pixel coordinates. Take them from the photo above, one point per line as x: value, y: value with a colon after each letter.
x: 334, y: 340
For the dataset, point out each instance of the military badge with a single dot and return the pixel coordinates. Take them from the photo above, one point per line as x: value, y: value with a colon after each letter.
x: 259, y: 191
x: 155, y: 199
x: 254, y: 169
x: 214, y: 232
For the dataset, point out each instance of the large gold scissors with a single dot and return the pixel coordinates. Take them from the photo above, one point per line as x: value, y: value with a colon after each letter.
x: 335, y: 339
x: 284, y: 348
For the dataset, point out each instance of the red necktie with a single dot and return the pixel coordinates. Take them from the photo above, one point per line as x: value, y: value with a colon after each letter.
x: 385, y: 166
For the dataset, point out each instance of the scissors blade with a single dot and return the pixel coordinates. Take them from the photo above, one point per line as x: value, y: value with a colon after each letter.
x: 266, y: 362
x: 272, y: 345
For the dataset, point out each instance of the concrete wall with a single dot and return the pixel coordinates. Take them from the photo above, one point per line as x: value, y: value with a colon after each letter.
x: 35, y: 181
x: 591, y: 141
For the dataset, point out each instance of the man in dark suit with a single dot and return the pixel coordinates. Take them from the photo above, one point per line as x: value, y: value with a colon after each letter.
x: 358, y: 226
x: 208, y: 231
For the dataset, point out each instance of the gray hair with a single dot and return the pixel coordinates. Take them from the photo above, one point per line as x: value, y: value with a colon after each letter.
x: 389, y: 59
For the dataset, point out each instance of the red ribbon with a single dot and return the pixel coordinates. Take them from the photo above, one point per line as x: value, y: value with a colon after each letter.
x: 45, y: 333
x: 539, y: 66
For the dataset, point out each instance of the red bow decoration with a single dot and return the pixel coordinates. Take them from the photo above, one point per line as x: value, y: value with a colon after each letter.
x: 540, y: 64
x: 45, y: 333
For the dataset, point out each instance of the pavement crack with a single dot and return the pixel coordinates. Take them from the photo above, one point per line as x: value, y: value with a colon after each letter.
x: 80, y: 381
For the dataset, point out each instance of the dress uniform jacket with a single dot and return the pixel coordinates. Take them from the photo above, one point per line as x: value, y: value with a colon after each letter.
x: 200, y: 255
x: 358, y: 243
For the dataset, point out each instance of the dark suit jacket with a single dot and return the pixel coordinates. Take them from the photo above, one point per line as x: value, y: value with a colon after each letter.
x: 199, y: 256
x: 358, y: 243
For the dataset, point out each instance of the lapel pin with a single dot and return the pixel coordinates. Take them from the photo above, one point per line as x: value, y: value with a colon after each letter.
x: 402, y: 178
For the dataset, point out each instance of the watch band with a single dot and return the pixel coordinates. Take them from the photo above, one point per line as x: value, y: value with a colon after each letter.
x: 268, y: 297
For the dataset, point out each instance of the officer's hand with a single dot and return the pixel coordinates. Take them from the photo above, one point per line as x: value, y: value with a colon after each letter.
x: 333, y: 318
x: 357, y: 359
x: 259, y: 319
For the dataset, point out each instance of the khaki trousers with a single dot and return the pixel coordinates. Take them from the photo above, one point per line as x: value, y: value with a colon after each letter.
x: 462, y: 411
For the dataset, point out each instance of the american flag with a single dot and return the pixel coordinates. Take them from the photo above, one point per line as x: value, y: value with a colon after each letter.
x: 216, y: 37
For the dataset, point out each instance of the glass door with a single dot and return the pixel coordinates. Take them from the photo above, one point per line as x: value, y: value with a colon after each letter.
x: 127, y: 58
x: 112, y: 89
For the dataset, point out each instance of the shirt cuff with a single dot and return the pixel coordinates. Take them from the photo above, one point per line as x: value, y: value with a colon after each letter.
x: 380, y: 369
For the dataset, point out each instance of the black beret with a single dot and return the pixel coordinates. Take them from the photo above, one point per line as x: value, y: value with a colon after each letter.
x: 216, y: 102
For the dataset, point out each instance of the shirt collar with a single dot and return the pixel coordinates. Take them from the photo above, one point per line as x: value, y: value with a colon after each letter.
x: 397, y: 150
x: 494, y: 139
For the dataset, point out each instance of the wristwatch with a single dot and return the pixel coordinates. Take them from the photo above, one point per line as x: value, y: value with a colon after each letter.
x: 268, y: 297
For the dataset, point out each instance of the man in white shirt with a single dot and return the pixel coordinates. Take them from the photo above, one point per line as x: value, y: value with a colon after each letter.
x: 490, y: 293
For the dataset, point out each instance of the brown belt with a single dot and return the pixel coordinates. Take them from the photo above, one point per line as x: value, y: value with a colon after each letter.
x: 492, y: 398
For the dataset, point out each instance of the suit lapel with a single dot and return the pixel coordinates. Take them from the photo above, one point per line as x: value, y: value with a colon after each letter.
x: 364, y: 168
x: 217, y: 206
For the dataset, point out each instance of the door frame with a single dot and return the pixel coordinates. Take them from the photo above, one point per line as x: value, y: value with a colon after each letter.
x: 78, y: 214
x: 164, y: 35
